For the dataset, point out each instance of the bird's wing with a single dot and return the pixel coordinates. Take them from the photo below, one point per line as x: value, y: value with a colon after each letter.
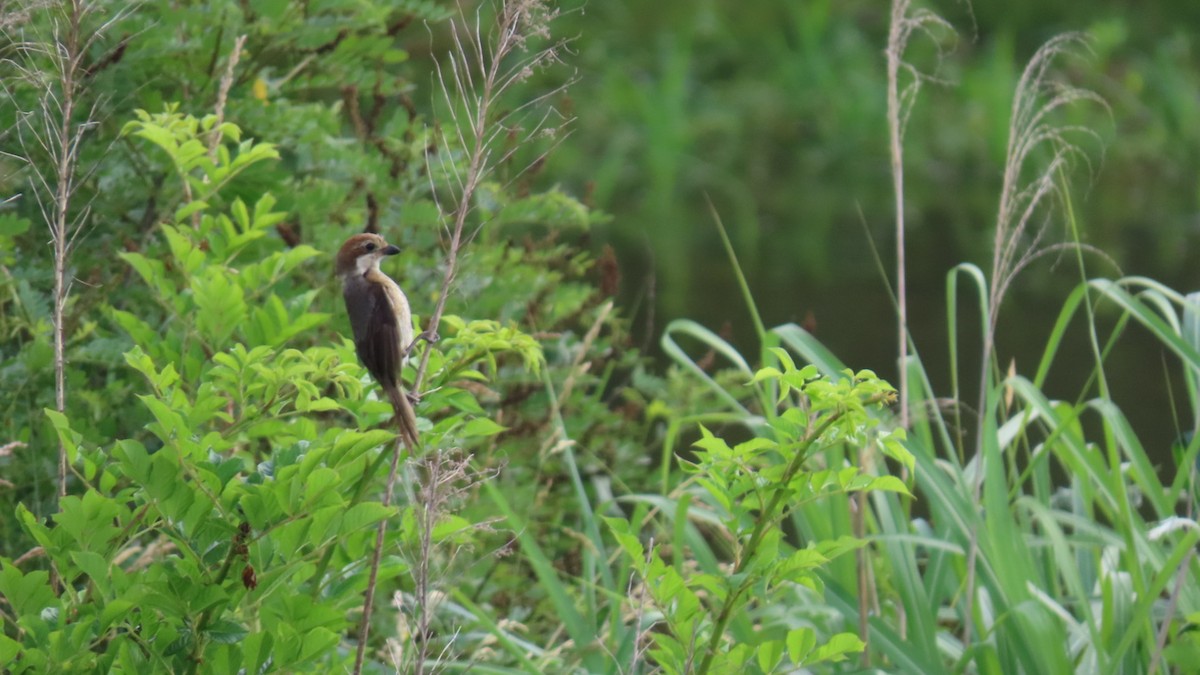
x: 376, y: 330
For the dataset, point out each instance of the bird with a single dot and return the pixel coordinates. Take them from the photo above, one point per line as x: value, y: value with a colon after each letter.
x: 381, y: 320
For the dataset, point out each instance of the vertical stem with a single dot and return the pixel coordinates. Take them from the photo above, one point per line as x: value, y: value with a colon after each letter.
x: 767, y: 519
x: 977, y: 488
x: 896, y: 37
x: 214, y: 140
x: 477, y: 166
x: 863, y: 565
x: 364, y: 629
x: 68, y: 59
x: 60, y: 386
x: 898, y: 32
x: 421, y: 577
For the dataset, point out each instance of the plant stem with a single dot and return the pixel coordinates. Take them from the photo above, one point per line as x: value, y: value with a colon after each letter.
x: 64, y: 174
x: 198, y: 650
x: 897, y: 37
x: 898, y: 33
x: 364, y: 629
x: 476, y: 169
x: 508, y: 37
x: 765, y: 519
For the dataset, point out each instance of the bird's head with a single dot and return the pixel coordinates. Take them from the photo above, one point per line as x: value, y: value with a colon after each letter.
x: 362, y: 253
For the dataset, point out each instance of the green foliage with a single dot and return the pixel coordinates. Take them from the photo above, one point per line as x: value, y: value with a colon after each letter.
x: 225, y: 468
x: 237, y: 518
x: 204, y: 172
x: 1059, y: 561
x: 749, y: 490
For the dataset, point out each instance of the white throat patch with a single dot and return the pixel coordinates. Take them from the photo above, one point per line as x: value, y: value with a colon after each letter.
x: 366, y: 263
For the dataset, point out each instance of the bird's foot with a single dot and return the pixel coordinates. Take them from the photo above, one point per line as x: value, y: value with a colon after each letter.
x: 429, y: 336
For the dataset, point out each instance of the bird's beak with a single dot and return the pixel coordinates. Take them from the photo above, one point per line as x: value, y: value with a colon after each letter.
x: 391, y: 250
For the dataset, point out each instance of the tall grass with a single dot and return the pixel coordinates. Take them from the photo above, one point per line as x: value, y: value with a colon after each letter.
x: 1048, y: 542
x: 1052, y: 547
x: 1013, y: 571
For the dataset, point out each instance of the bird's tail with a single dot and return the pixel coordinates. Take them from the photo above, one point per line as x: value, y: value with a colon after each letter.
x: 406, y: 419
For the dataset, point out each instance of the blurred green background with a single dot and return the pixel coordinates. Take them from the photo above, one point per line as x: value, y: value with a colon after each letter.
x: 776, y: 112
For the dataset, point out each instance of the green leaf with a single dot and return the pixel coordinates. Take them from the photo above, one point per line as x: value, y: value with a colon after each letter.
x: 12, y: 225
x: 713, y: 444
x: 221, y: 306
x: 95, y: 566
x: 350, y: 444
x: 320, y: 480
x: 453, y: 528
x: 482, y: 426
x: 189, y: 256
x: 889, y: 483
x: 241, y: 215
x: 838, y: 646
x: 317, y: 642
x: 119, y: 610
x: 68, y: 437
x: 626, y: 539
x: 894, y: 447
x: 170, y: 422
x: 135, y: 461
x: 226, y: 632
x: 266, y: 217
x: 143, y: 335
x: 364, y: 515
x: 256, y: 650
x: 769, y: 653
x: 184, y: 213
x: 153, y: 272
x: 800, y: 643
x: 9, y: 648
x: 323, y: 404
x: 27, y: 594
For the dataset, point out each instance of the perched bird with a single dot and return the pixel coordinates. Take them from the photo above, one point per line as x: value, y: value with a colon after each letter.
x: 381, y: 321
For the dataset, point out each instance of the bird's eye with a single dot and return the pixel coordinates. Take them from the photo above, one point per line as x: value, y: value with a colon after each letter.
x: 370, y: 246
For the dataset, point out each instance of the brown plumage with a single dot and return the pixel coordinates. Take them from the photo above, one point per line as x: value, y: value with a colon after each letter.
x: 381, y: 321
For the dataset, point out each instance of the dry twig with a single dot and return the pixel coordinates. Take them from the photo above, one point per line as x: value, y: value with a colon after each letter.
x: 56, y: 130
x: 484, y: 65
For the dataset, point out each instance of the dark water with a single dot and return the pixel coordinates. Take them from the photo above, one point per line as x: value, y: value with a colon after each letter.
x: 855, y: 319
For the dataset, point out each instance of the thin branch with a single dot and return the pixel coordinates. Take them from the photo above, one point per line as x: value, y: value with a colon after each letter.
x: 52, y: 129
x: 53, y: 65
x: 471, y: 92
x: 517, y: 22
x: 364, y: 628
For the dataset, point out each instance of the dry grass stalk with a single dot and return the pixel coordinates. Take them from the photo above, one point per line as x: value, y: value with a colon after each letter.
x: 905, y: 22
x: 54, y: 66
x: 1022, y: 222
x: 447, y: 480
x: 484, y: 64
x: 1024, y: 217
